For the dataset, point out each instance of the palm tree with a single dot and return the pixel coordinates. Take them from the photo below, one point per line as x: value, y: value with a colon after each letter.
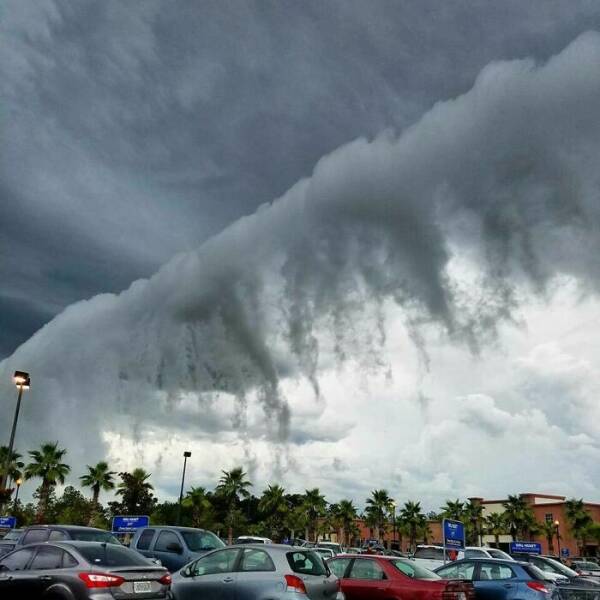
x: 548, y: 528
x: 232, y: 487
x: 273, y: 505
x: 495, y: 524
x: 515, y: 515
x: 315, y: 505
x: 346, y: 513
x: 15, y: 466
x: 579, y: 521
x: 98, y: 478
x: 48, y: 466
x: 296, y: 520
x: 473, y: 517
x: 379, y: 506
x: 453, y: 510
x: 136, y: 492
x: 414, y: 520
x: 198, y: 500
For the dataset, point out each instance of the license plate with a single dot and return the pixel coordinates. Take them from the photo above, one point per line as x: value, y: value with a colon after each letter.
x: 142, y: 587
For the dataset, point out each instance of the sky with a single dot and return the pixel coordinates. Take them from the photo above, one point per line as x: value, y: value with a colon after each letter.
x: 349, y: 244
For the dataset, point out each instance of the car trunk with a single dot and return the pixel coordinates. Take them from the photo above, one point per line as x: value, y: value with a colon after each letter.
x: 320, y: 587
x: 140, y: 582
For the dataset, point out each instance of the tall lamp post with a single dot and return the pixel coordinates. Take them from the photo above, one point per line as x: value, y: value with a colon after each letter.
x: 18, y: 483
x: 186, y: 455
x: 557, y: 524
x: 23, y: 382
x: 394, y: 522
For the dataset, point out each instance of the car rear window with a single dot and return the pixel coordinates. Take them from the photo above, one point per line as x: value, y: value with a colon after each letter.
x: 434, y: 553
x: 86, y: 535
x: 108, y: 555
x: 306, y: 563
x: 202, y: 541
x: 413, y: 570
x: 534, y: 572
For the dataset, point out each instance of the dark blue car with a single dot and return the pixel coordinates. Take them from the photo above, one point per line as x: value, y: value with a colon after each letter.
x: 496, y: 579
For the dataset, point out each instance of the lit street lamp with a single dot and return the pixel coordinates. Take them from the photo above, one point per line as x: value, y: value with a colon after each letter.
x: 23, y: 382
x: 556, y: 524
x: 18, y: 483
x: 186, y: 455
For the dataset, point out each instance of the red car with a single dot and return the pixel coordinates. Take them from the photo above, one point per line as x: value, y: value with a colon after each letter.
x: 392, y: 578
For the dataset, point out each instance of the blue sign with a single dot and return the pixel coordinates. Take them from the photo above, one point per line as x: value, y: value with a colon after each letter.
x: 454, y: 535
x: 129, y: 524
x: 8, y: 522
x: 565, y: 552
x: 527, y: 547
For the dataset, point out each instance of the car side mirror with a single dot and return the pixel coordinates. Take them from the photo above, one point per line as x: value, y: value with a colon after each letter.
x: 174, y: 547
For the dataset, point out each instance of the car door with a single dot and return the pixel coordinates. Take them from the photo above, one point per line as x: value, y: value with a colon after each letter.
x: 47, y: 566
x: 256, y: 576
x: 15, y: 580
x: 143, y: 543
x: 168, y: 548
x: 366, y: 580
x: 494, y: 581
x: 212, y: 576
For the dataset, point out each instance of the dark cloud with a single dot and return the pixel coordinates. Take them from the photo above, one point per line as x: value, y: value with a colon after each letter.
x: 135, y: 131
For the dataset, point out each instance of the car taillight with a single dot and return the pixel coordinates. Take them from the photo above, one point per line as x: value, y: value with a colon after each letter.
x: 538, y: 586
x: 100, y: 580
x: 458, y: 590
x: 165, y: 579
x: 295, y: 584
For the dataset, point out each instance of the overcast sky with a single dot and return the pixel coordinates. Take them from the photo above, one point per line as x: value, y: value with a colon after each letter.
x: 413, y: 305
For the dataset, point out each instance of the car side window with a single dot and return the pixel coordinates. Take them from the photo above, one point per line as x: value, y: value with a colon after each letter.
x: 145, y: 538
x: 222, y: 561
x: 256, y: 560
x: 47, y: 557
x: 17, y: 561
x: 165, y: 539
x: 34, y: 536
x: 366, y: 568
x: 57, y: 535
x: 495, y: 572
x: 450, y: 572
x: 339, y: 566
x: 69, y: 561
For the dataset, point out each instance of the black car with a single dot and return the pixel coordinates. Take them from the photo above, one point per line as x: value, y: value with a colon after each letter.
x: 80, y: 571
x: 56, y: 533
x: 6, y: 547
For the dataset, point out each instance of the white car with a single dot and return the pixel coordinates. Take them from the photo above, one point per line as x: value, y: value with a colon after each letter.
x: 333, y: 546
x: 483, y: 552
x: 252, y: 539
x: 429, y: 557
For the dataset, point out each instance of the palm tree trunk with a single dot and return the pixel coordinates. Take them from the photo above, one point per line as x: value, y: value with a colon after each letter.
x: 230, y: 535
x: 497, y: 539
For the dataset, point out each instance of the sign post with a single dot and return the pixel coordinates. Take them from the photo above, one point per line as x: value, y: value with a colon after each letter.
x: 454, y: 536
x: 8, y: 522
x: 129, y: 523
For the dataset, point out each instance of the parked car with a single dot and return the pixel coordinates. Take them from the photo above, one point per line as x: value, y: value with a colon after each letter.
x: 365, y: 577
x: 324, y: 553
x: 12, y: 534
x: 80, y: 570
x: 483, y: 552
x: 256, y: 572
x: 496, y: 579
x: 333, y: 546
x: 586, y: 568
x: 55, y: 533
x: 252, y: 539
x: 556, y: 571
x: 428, y: 556
x: 174, y: 546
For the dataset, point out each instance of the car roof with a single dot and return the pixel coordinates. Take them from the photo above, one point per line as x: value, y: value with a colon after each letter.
x: 66, y: 528
x: 500, y: 561
x: 174, y: 527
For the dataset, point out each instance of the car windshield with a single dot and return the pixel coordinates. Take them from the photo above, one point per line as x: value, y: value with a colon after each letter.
x: 560, y: 568
x: 199, y: 541
x: 410, y: 568
x: 108, y: 555
x: 494, y: 553
x: 86, y: 535
x: 588, y: 566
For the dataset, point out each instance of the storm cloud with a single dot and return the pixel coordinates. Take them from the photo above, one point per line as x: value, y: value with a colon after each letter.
x: 490, y: 192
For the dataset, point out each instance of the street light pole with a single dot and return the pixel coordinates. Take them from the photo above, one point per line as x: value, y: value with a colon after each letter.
x: 557, y: 523
x: 23, y: 382
x: 186, y: 455
x: 18, y: 482
x: 394, y: 521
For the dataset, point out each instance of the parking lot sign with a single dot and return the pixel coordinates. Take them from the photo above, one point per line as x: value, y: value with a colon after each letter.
x: 565, y: 552
x: 8, y: 522
x: 527, y: 547
x: 454, y: 535
x: 129, y: 523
